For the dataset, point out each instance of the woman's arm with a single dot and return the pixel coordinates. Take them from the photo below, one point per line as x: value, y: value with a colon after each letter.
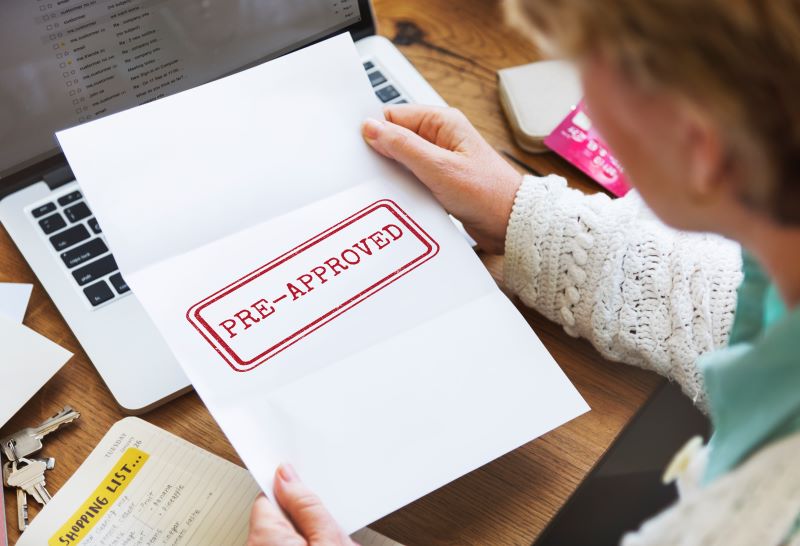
x: 609, y: 271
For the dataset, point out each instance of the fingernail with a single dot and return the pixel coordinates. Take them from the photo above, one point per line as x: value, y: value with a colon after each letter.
x: 371, y: 128
x: 288, y: 473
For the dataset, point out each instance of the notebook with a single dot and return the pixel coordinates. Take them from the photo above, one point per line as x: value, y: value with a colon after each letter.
x: 144, y: 485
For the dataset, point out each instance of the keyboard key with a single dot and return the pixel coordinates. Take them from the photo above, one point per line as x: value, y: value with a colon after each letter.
x: 40, y: 211
x: 376, y: 78
x: 387, y: 93
x: 94, y: 226
x: 98, y: 293
x: 119, y: 283
x: 69, y: 237
x: 78, y: 212
x: 65, y: 200
x: 368, y: 65
x: 52, y: 223
x: 95, y: 270
x: 84, y: 253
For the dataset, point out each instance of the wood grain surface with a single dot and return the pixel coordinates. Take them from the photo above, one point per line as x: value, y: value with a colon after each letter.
x: 458, y: 47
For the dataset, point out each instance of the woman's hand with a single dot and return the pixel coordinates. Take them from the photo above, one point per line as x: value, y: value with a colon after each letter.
x: 306, y: 523
x: 468, y: 177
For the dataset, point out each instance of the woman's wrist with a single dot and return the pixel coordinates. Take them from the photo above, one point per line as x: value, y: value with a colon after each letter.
x: 505, y: 194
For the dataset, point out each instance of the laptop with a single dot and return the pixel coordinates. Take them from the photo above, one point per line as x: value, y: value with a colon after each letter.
x: 66, y: 62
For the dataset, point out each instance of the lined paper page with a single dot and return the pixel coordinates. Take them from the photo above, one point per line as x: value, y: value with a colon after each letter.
x: 143, y: 485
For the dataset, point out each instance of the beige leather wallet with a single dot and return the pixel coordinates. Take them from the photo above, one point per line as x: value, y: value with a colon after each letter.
x: 536, y: 97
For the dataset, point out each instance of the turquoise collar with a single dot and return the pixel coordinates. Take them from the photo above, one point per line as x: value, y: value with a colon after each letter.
x: 753, y: 385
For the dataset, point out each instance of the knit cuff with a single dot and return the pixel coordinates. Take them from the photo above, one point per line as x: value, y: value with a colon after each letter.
x: 531, y: 219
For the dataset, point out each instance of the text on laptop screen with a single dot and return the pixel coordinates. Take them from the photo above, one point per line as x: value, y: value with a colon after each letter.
x: 64, y: 62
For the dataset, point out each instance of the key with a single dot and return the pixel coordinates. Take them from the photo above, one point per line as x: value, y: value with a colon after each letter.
x: 30, y: 477
x: 84, y: 253
x: 40, y: 211
x: 52, y: 223
x: 49, y: 462
x: 69, y: 237
x: 95, y: 270
x: 29, y: 440
x: 98, y: 293
x: 22, y: 509
x: 77, y: 212
x: 387, y: 93
x: 376, y: 78
x: 65, y: 200
x: 22, y: 497
x: 94, y: 225
x: 10, y: 466
x: 119, y: 283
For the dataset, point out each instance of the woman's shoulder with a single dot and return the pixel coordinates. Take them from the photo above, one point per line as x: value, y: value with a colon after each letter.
x: 756, y: 503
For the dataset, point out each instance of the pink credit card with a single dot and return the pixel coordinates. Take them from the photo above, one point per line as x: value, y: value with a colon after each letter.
x: 576, y: 140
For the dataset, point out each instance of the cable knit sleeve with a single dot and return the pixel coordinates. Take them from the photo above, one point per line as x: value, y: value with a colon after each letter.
x: 609, y: 271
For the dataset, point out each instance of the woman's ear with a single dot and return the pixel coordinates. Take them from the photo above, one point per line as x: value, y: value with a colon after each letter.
x: 706, y: 153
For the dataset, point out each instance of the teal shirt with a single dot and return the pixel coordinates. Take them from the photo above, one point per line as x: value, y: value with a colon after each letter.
x: 753, y: 385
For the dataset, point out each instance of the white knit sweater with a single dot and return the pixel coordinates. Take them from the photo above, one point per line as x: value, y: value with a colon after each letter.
x: 647, y: 295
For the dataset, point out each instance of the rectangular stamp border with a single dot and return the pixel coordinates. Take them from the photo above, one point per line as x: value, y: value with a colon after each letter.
x: 240, y: 365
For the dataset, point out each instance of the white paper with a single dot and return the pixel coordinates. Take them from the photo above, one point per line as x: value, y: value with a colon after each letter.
x: 380, y: 383
x: 14, y: 299
x: 27, y: 361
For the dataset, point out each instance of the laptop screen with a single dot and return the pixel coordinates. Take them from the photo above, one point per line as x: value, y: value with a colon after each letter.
x: 64, y: 62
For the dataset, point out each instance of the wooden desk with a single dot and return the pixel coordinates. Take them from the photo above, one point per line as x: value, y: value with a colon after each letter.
x: 458, y: 46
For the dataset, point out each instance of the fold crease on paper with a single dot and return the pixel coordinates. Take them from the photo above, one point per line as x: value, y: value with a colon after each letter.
x: 379, y: 381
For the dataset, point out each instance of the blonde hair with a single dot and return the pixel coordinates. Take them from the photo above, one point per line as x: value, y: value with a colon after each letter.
x: 739, y: 60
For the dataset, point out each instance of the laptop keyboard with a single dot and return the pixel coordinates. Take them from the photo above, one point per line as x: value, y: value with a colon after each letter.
x: 384, y: 89
x: 76, y: 237
x: 74, y: 234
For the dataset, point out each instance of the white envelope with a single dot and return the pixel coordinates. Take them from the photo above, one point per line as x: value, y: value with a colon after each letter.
x: 379, y: 381
x: 27, y: 361
x: 14, y: 299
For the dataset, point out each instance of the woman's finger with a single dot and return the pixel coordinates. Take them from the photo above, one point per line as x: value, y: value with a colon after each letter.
x: 426, y: 121
x: 396, y: 141
x: 269, y: 527
x: 310, y: 517
x: 408, y: 148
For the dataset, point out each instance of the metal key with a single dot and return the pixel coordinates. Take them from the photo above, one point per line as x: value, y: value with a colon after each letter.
x: 11, y: 466
x: 22, y: 509
x: 29, y: 440
x: 8, y: 468
x: 22, y: 497
x: 30, y: 478
x: 50, y: 462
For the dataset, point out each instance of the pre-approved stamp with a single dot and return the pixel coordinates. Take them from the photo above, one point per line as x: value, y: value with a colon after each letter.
x: 268, y: 310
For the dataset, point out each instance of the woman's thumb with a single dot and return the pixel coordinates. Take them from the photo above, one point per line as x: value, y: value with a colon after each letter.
x: 401, y: 144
